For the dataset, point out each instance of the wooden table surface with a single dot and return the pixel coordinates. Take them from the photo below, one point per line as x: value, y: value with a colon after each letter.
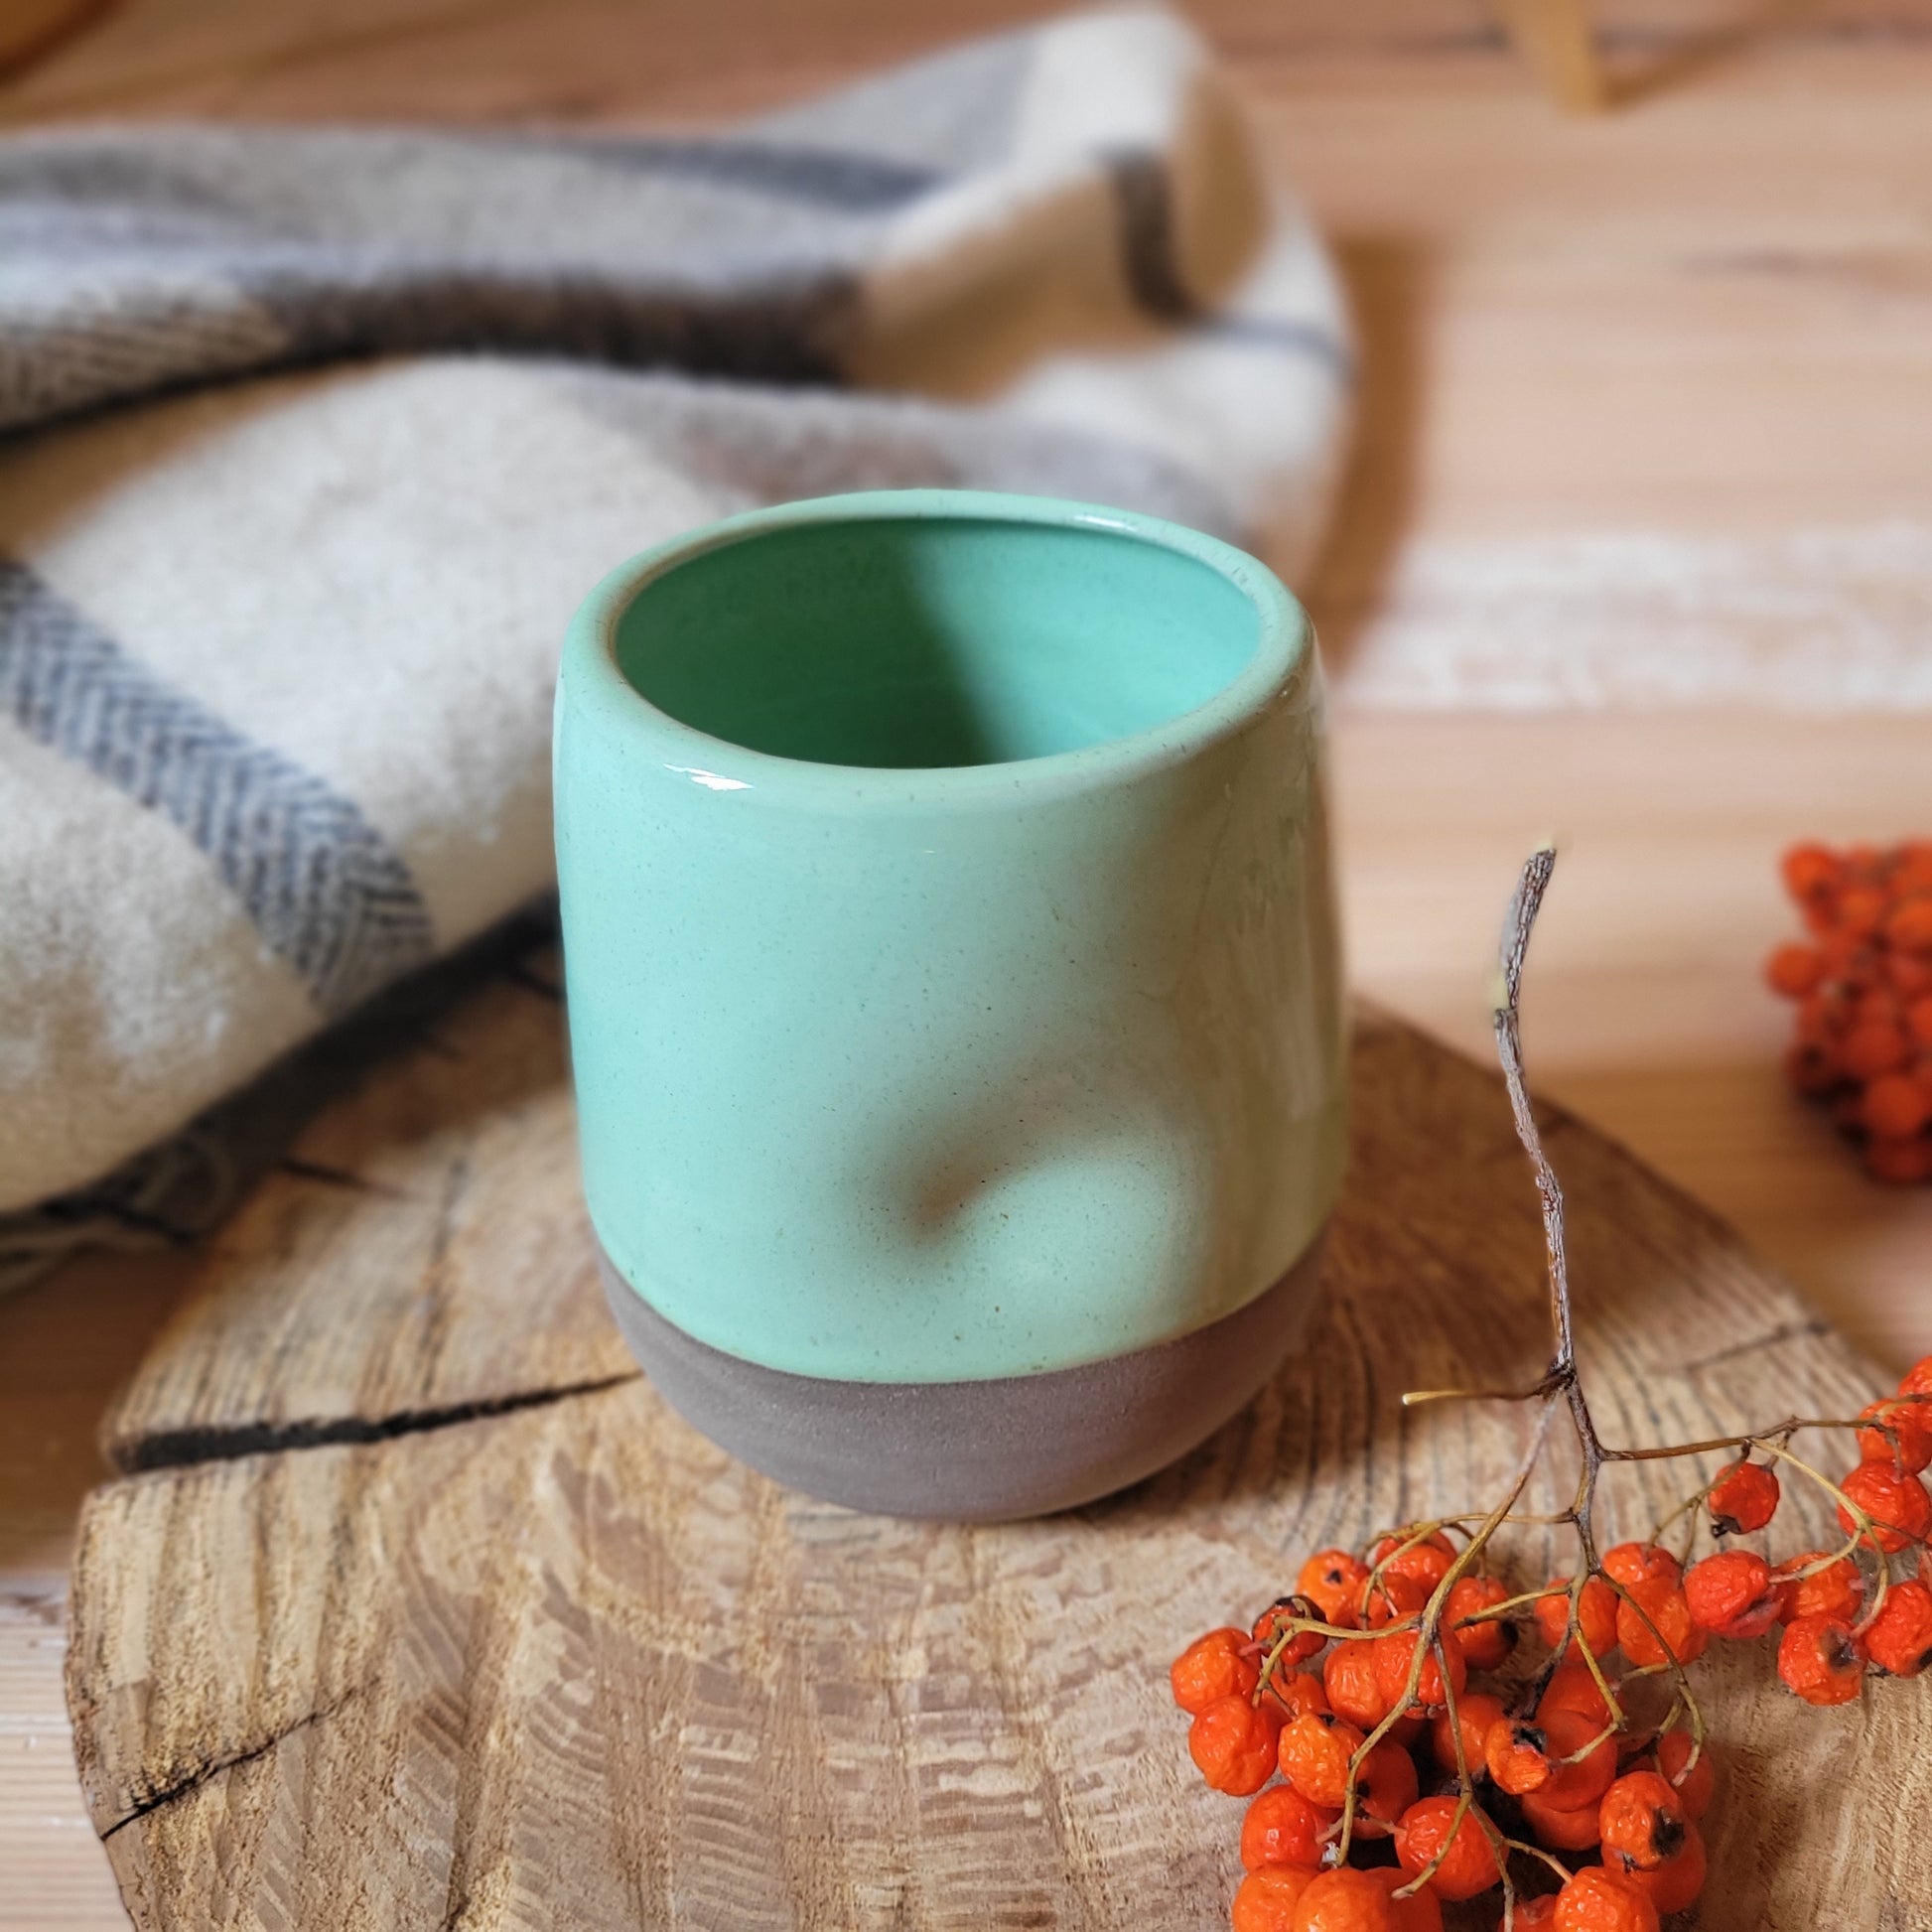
x: 1659, y: 383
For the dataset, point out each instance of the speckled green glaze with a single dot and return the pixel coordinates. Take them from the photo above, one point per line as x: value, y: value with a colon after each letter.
x: 949, y: 938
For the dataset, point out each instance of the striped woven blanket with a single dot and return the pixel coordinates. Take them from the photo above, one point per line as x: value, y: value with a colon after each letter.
x: 315, y: 437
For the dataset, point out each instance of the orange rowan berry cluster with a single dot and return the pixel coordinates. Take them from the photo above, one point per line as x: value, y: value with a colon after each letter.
x: 1863, y: 986
x: 1403, y: 1784
x: 1385, y: 1776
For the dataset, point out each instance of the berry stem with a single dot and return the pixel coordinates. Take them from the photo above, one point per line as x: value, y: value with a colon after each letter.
x: 1555, y: 1863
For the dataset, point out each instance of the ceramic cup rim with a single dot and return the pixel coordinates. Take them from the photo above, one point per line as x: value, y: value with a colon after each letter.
x: 1280, y: 660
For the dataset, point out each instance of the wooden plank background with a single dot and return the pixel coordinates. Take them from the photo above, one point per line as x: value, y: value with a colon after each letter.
x: 1705, y: 316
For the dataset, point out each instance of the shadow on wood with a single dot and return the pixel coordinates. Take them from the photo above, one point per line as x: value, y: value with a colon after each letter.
x: 1387, y: 282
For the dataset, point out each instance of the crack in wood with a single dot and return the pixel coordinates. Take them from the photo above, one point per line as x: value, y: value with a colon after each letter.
x: 172, y: 1448
x: 214, y: 1767
x: 49, y: 1607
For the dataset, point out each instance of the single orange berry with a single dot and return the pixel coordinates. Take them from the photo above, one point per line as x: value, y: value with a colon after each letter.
x: 1210, y: 1668
x: 1385, y: 1786
x: 1523, y: 1758
x: 1653, y: 1625
x: 1597, y: 1900
x: 1695, y: 1786
x: 1596, y: 1615
x: 1897, y: 1505
x: 1347, y: 1900
x: 1468, y: 1866
x: 1634, y: 1564
x: 1444, y: 1670
x: 1516, y: 1755
x: 1476, y: 1711
x: 1872, y: 1047
x: 1917, y: 1380
x: 1393, y: 1596
x: 1641, y: 1820
x: 1675, y: 1885
x: 1313, y: 1756
x: 1276, y: 1620
x: 1332, y: 1581
x: 1427, y: 1561
x: 1232, y: 1743
x: 1812, y: 872
x: 1901, y: 1435
x: 1910, y: 975
x: 1558, y: 1827
x: 1898, y: 1640
x: 1895, y: 1107
x: 1350, y: 1677
x: 1819, y: 1660
x: 1861, y: 911
x: 1283, y: 1827
x: 1485, y: 1645
x: 1600, y: 1899
x: 1911, y: 927
x: 1577, y: 1780
x: 1794, y: 970
x: 1837, y: 1591
x: 1299, y: 1693
x: 1732, y: 1594
x: 1850, y: 959
x: 1573, y: 1688
x: 1876, y: 1002
x: 1267, y: 1899
x: 1419, y: 1911
x: 1743, y: 1499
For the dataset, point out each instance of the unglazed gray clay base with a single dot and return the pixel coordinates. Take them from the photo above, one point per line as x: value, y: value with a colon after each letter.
x: 1015, y: 1446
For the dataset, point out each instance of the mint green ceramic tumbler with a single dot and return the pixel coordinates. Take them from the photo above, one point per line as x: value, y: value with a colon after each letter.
x: 953, y: 988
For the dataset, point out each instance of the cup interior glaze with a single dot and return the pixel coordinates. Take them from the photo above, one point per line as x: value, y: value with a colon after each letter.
x: 953, y: 987
x: 915, y: 643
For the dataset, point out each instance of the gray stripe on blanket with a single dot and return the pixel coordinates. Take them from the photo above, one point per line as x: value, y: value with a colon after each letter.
x: 323, y: 888
x: 1143, y: 208
x: 765, y: 324
x: 819, y: 177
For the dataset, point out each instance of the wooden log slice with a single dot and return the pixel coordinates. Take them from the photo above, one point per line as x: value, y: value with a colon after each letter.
x: 416, y: 1608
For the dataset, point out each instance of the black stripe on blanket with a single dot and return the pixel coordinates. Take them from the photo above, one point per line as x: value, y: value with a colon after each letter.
x: 323, y: 888
x: 1144, y: 202
x: 839, y: 179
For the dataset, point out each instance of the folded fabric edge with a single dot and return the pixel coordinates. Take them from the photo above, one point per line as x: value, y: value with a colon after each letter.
x: 171, y: 1194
